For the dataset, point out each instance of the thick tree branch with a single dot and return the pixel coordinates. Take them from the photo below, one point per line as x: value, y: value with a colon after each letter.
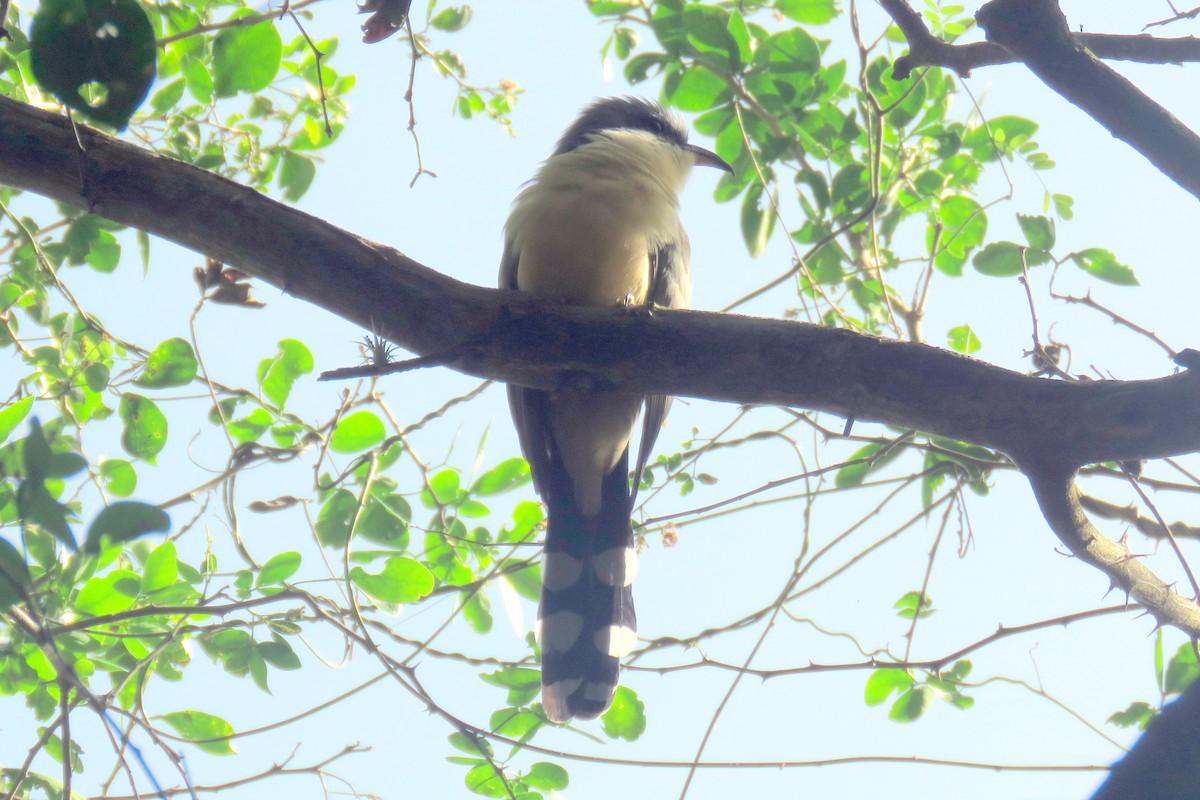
x: 512, y: 337
x: 1036, y: 32
x: 925, y: 49
x: 1057, y: 495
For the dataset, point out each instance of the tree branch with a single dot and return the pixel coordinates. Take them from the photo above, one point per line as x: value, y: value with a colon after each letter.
x: 1036, y: 32
x: 925, y: 49
x: 514, y: 337
x: 1058, y: 498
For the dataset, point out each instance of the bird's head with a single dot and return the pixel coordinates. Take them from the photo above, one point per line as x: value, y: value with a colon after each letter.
x: 640, y: 132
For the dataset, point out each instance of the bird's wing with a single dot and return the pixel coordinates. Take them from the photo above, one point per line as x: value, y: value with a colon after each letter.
x: 529, y: 406
x: 670, y: 287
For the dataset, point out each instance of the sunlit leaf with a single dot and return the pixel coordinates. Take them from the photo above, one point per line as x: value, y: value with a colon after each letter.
x: 403, y: 580
x: 626, y: 719
x: 162, y: 568
x: 109, y: 594
x: 883, y: 682
x: 173, y: 363
x: 198, y: 726
x: 506, y: 475
x: 278, y: 568
x: 1000, y: 260
x: 145, y: 432
x: 962, y: 338
x: 246, y: 58
x: 356, y: 432
x: 544, y: 775
x: 119, y: 476
x: 1104, y: 265
x: 13, y: 415
x: 277, y: 375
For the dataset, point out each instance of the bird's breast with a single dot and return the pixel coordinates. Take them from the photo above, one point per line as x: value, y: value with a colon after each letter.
x: 588, y: 242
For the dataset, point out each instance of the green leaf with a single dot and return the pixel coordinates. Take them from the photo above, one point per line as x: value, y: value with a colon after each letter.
x: 110, y: 594
x: 1182, y: 670
x: 162, y: 568
x: 740, y: 34
x: 13, y: 415
x: 173, y: 363
x: 624, y: 40
x: 1104, y: 265
x: 252, y: 426
x: 911, y: 704
x: 105, y: 252
x: 119, y: 476
x: 15, y: 581
x: 914, y: 604
x: 790, y: 57
x: 544, y: 775
x: 445, y: 486
x: 245, y: 59
x: 515, y: 723
x: 601, y: 8
x: 403, y: 580
x: 758, y: 221
x: 697, y: 89
x: 637, y: 69
x: 855, y: 474
x: 1137, y: 713
x: 38, y: 507
x: 965, y: 223
x: 452, y: 19
x: 883, y: 682
x: 478, y: 613
x: 1062, y: 205
x: 475, y: 745
x: 277, y: 375
x: 143, y: 242
x: 999, y: 259
x: 279, y: 654
x: 626, y: 719
x: 1039, y: 231
x: 278, y: 568
x: 125, y: 520
x: 486, y: 780
x: 809, y: 12
x: 198, y: 726
x: 96, y: 56
x: 850, y: 191
x: 523, y: 684
x: 962, y: 339
x: 506, y: 475
x: 36, y: 453
x: 64, y: 465
x: 199, y: 79
x: 999, y: 136
x: 145, y: 432
x: 333, y: 522
x: 296, y: 174
x: 360, y: 430
x: 1158, y: 660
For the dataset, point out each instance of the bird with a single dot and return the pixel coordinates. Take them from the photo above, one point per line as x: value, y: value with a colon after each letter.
x: 598, y: 225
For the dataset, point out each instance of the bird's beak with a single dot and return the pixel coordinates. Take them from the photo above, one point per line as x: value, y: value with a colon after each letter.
x: 707, y: 158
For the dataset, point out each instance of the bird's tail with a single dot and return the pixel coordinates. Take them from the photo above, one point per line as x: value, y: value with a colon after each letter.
x: 586, y: 615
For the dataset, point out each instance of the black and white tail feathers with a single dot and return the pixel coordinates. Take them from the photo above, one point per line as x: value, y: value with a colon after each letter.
x: 586, y: 616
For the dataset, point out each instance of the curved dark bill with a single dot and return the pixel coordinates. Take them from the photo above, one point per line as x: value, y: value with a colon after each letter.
x: 707, y: 158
